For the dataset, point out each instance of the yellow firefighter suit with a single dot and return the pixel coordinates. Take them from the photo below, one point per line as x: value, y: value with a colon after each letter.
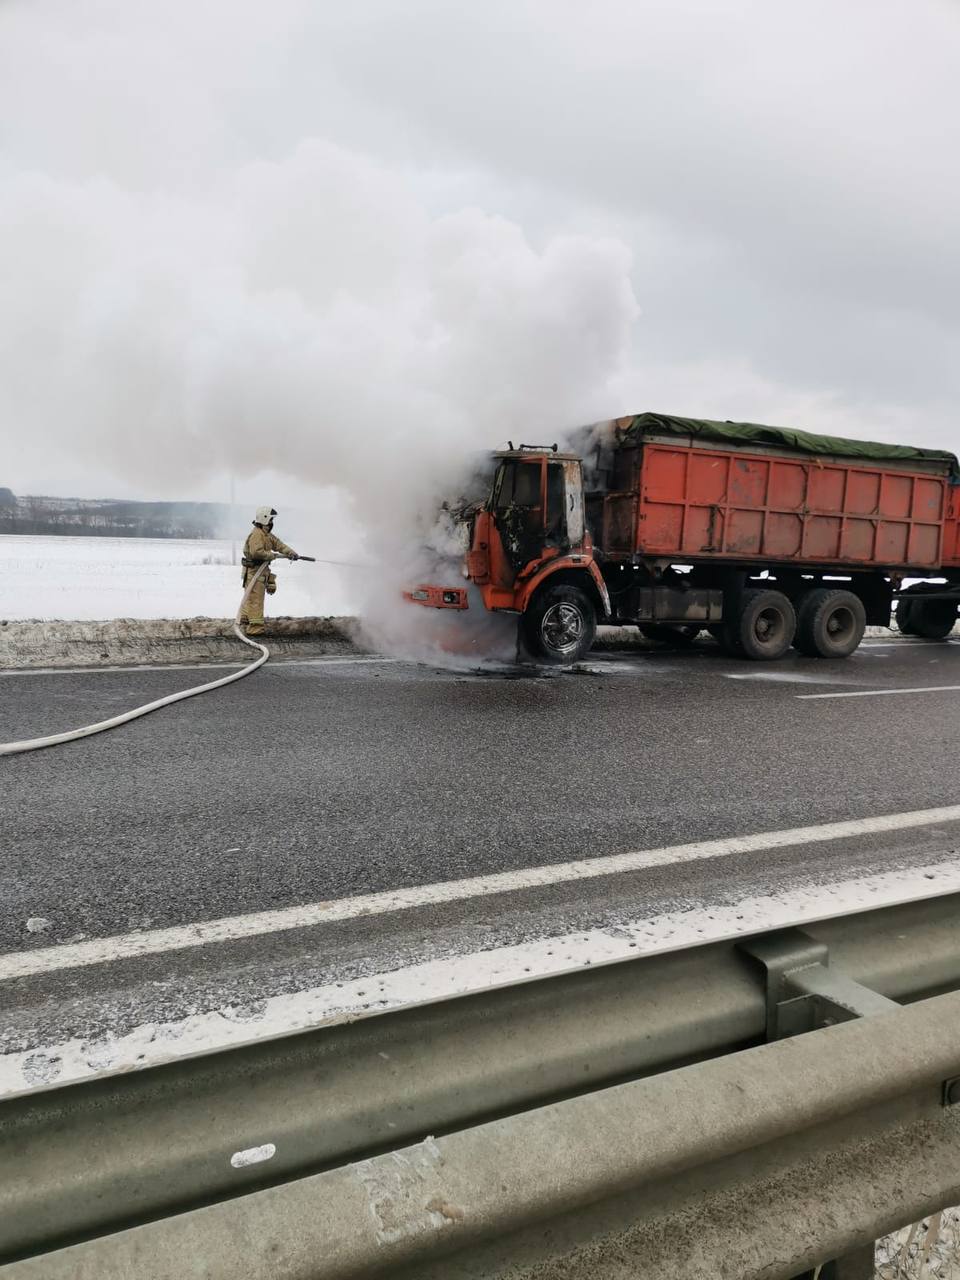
x: 260, y: 545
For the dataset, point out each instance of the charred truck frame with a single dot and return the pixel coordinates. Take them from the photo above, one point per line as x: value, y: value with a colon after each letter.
x: 766, y: 537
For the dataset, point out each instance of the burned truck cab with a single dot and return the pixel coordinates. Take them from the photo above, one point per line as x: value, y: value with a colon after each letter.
x: 535, y: 512
x: 537, y: 500
x: 531, y: 554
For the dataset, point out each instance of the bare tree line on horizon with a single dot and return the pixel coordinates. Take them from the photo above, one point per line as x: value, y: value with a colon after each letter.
x: 42, y: 515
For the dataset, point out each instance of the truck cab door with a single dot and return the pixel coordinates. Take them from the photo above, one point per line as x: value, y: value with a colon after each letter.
x: 537, y: 503
x: 572, y: 498
x: 564, y: 523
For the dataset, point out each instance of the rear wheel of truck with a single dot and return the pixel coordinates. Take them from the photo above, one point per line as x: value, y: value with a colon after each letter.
x: 904, y: 616
x: 931, y: 619
x: 830, y: 624
x: 560, y: 625
x: 765, y: 627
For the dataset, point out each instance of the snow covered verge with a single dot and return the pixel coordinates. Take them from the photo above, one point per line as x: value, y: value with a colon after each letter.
x: 133, y: 641
x: 927, y: 1250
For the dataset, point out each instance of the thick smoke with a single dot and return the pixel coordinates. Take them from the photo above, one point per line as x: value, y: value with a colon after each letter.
x: 181, y: 301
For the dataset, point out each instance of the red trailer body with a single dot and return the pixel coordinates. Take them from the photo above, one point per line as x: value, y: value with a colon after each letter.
x: 691, y: 501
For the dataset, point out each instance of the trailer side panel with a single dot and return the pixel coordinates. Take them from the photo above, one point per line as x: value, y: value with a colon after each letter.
x: 721, y: 503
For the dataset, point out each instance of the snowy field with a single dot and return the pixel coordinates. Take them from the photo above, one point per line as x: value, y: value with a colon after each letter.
x: 86, y: 579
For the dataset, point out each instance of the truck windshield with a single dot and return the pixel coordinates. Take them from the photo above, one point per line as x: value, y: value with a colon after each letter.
x: 517, y: 485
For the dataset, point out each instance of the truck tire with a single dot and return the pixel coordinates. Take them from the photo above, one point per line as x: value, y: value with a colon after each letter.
x: 560, y: 625
x: 931, y: 619
x: 830, y: 623
x: 765, y: 627
x: 904, y: 616
x: 678, y: 634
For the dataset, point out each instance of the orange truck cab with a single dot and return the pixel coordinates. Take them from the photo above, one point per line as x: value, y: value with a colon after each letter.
x: 531, y: 554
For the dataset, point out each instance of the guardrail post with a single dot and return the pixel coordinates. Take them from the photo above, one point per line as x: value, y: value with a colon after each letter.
x: 803, y: 991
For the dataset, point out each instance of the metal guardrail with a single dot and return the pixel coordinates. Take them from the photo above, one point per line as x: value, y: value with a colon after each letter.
x: 537, y: 1157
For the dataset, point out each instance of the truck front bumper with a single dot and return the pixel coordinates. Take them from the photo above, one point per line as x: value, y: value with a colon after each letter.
x: 438, y: 597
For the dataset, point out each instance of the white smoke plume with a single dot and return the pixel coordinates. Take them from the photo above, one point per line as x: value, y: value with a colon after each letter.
x: 185, y: 295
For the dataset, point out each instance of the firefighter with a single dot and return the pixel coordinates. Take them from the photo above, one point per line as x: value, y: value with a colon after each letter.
x: 261, y: 544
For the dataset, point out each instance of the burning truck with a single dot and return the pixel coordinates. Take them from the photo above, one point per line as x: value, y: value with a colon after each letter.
x: 766, y: 537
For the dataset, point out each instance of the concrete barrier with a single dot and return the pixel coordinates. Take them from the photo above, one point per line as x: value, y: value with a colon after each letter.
x: 133, y: 641
x: 31, y: 645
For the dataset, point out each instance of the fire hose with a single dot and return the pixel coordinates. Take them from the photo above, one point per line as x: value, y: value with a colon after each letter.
x: 71, y: 735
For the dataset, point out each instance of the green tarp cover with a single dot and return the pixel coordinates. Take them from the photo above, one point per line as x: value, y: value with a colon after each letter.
x: 745, y: 433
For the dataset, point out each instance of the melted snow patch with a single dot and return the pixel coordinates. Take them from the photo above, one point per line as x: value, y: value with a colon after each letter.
x: 253, y: 1155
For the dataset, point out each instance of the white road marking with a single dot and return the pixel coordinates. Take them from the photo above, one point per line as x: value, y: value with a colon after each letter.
x: 783, y: 677
x: 190, y: 666
x: 359, y: 660
x: 152, y: 1044
x: 9, y: 672
x: 885, y: 644
x: 21, y: 964
x: 905, y: 640
x: 880, y: 693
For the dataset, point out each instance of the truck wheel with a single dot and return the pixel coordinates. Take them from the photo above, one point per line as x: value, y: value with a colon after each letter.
x: 904, y: 616
x: 679, y: 633
x: 560, y: 625
x: 932, y: 619
x: 830, y: 623
x: 765, y: 628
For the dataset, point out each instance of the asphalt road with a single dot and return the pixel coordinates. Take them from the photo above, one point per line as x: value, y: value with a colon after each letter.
x: 313, y: 782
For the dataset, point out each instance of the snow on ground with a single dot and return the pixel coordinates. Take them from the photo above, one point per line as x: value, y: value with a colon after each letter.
x: 87, y: 579
x: 928, y: 1250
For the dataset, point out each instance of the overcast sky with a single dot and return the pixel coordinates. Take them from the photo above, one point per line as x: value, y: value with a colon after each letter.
x: 235, y: 235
